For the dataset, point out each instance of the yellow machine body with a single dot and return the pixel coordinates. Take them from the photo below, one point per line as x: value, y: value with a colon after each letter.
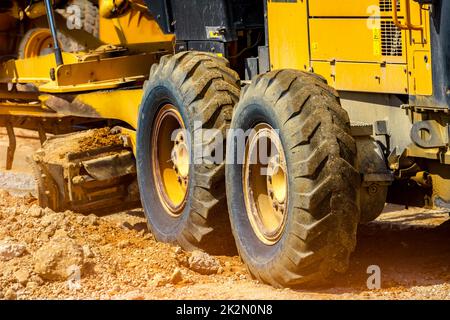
x: 136, y: 26
x: 107, y: 82
x: 355, y: 45
x: 364, y: 47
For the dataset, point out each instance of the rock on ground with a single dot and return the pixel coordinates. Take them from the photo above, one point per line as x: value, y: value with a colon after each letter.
x: 10, y: 250
x: 176, y: 276
x: 203, y: 263
x: 10, y: 294
x: 57, y: 260
x: 22, y: 276
x: 35, y: 211
x: 411, y: 247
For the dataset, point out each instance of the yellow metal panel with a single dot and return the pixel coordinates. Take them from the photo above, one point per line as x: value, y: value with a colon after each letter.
x: 346, y: 8
x: 52, y: 87
x: 118, y: 104
x: 326, y: 70
x: 349, y: 40
x: 365, y: 77
x: 105, y: 69
x: 133, y: 28
x: 23, y: 109
x: 77, y: 74
x: 419, y: 53
x: 34, y: 70
x: 421, y: 79
x: 288, y: 35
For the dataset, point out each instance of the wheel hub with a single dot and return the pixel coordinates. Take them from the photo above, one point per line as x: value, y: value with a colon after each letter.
x: 276, y: 183
x: 180, y: 158
x: 40, y: 43
x: 265, y: 184
x: 170, y: 159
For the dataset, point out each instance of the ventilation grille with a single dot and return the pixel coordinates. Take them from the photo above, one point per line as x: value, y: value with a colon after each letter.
x: 391, y: 39
x: 386, y: 5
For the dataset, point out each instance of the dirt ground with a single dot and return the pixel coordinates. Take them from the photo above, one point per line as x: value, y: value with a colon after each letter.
x: 119, y: 259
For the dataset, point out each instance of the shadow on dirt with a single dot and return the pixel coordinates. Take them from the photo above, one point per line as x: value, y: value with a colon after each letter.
x: 409, y: 250
x: 213, y: 244
x: 407, y: 255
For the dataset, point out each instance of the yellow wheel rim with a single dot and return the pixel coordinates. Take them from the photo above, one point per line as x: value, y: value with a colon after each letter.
x: 39, y: 43
x: 171, y: 159
x: 265, y: 184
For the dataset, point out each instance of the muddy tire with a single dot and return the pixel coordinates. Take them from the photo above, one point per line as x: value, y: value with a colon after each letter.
x: 66, y: 43
x: 202, y: 91
x: 90, y: 16
x: 35, y: 42
x: 82, y: 14
x: 87, y: 16
x: 321, y: 215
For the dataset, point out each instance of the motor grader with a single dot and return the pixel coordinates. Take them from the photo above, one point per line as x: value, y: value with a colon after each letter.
x: 344, y: 105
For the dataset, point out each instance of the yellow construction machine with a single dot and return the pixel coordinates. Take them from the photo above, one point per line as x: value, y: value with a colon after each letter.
x: 279, y: 125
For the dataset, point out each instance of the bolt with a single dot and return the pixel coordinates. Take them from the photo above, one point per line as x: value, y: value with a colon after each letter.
x: 52, y: 74
x: 373, y: 189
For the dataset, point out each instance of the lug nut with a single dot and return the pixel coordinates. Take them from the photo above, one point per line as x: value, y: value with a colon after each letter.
x: 373, y: 189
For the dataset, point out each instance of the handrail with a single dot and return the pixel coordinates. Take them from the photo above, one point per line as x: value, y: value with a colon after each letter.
x: 408, y: 25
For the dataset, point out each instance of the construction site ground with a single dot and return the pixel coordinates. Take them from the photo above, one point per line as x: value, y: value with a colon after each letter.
x: 118, y: 257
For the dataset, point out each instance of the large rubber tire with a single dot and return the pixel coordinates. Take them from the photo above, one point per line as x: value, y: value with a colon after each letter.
x: 88, y: 21
x: 89, y: 15
x: 204, y: 89
x: 322, y: 212
x: 22, y: 51
x: 66, y: 43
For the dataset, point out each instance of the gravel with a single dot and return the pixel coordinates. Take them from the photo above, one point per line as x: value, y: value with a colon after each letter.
x: 52, y: 255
